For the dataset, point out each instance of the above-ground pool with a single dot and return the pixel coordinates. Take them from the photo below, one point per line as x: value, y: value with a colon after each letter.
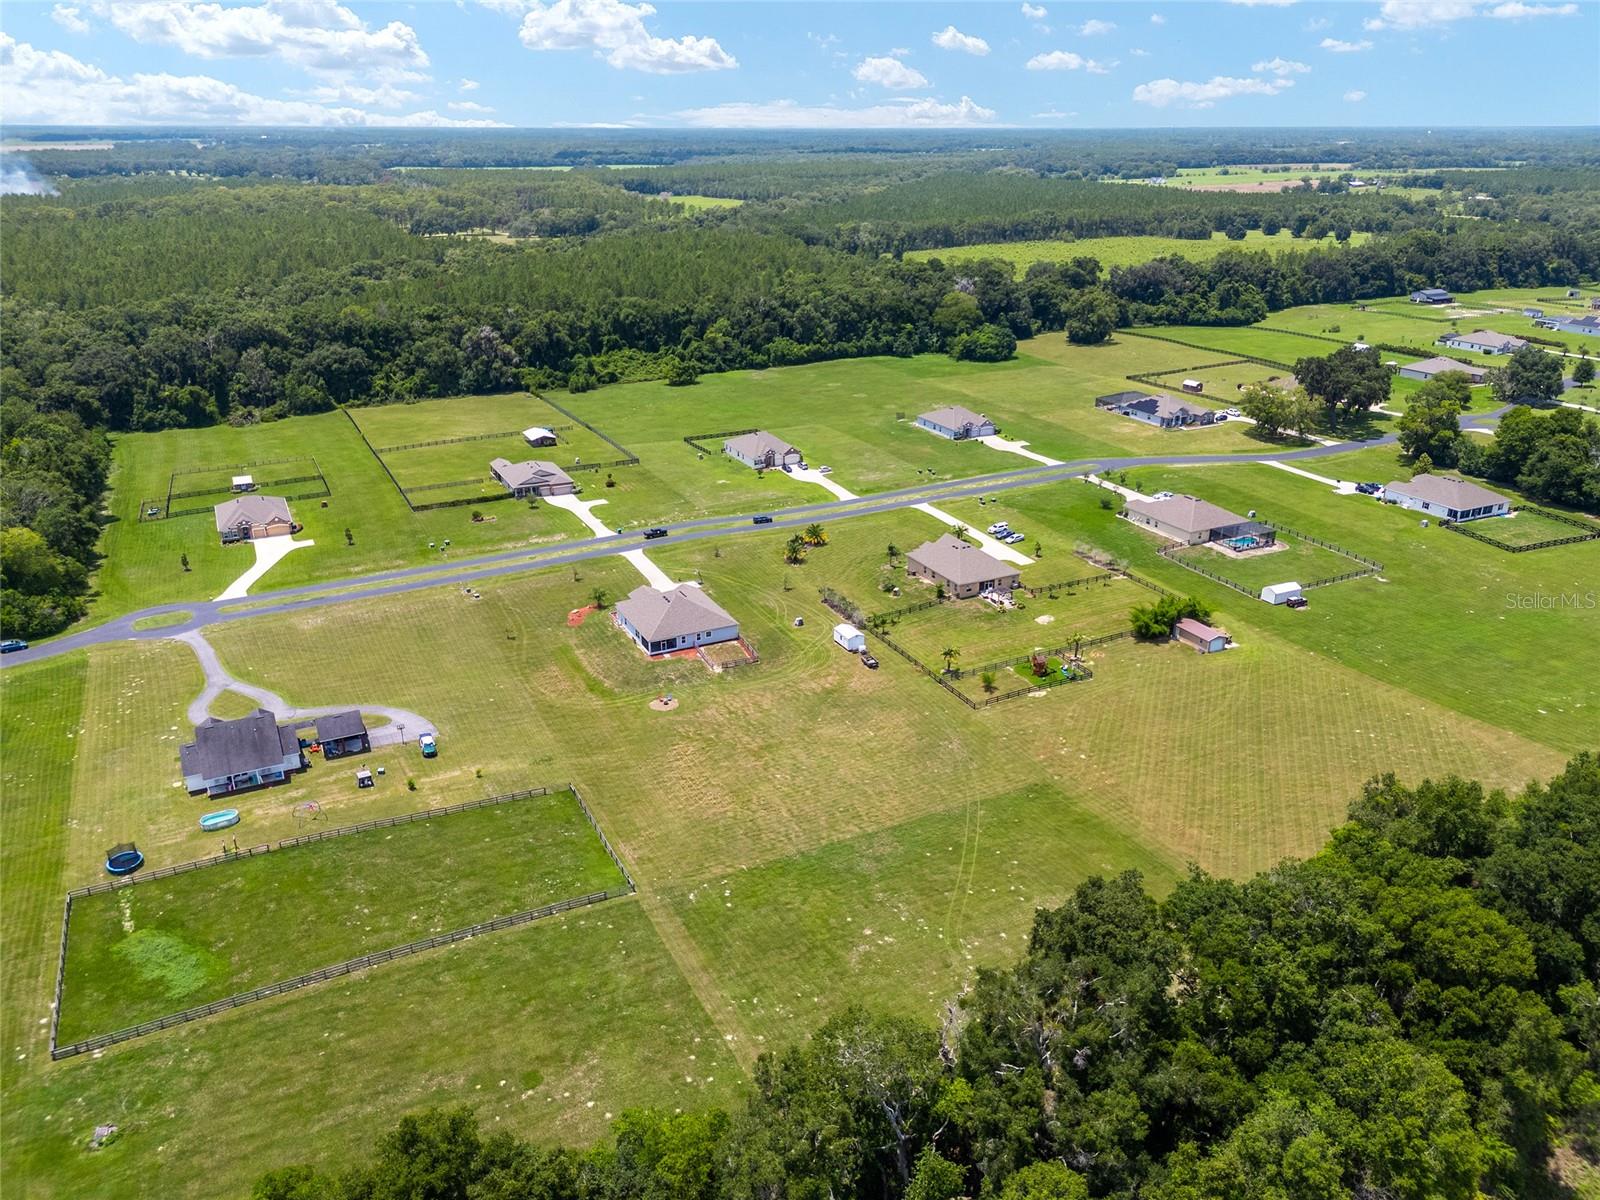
x: 124, y: 860
x: 220, y: 819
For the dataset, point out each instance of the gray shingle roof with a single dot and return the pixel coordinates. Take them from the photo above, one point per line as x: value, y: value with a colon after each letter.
x: 954, y: 417
x: 532, y: 473
x: 1488, y: 337
x: 1188, y: 513
x: 1438, y: 365
x: 959, y: 562
x: 235, y: 747
x: 1442, y: 489
x: 337, y: 726
x: 685, y: 609
x: 250, y: 510
x: 756, y: 445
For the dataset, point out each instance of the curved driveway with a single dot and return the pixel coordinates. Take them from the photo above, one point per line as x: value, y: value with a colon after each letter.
x: 513, y: 562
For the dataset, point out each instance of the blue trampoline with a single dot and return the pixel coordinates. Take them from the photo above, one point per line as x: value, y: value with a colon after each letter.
x: 124, y: 859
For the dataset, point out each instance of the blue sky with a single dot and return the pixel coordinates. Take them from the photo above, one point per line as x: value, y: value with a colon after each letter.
x: 773, y: 65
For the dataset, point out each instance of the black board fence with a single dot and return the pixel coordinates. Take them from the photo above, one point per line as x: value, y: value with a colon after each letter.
x: 468, y: 437
x: 711, y: 443
x: 1366, y: 566
x: 356, y: 425
x: 1159, y: 337
x: 349, y: 966
x: 1590, y: 531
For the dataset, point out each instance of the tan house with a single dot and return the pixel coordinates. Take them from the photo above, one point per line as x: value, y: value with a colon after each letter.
x: 679, y: 618
x: 962, y: 568
x: 1193, y: 521
x: 762, y: 451
x: 532, y: 478
x: 253, y: 516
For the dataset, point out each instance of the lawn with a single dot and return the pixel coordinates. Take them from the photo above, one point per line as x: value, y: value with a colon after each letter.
x: 694, y: 204
x: 1528, y: 527
x: 1250, y: 340
x: 1121, y: 251
x: 1297, y: 561
x: 140, y: 952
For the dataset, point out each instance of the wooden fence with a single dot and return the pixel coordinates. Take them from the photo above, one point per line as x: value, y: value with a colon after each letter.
x: 361, y: 962
x: 1591, y: 532
x: 714, y: 440
x: 1368, y: 566
x: 469, y: 437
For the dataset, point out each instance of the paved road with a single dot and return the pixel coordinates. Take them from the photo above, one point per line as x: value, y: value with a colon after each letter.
x: 204, y: 613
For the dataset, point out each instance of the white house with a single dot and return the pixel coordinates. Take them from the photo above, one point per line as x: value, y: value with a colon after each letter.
x: 679, y: 618
x: 956, y: 423
x: 532, y: 478
x: 762, y: 451
x: 1280, y: 593
x: 1483, y: 341
x: 850, y: 638
x: 230, y: 756
x: 1447, y: 498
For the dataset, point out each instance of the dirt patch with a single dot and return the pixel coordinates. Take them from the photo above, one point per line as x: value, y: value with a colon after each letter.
x: 577, y: 615
x: 664, y: 704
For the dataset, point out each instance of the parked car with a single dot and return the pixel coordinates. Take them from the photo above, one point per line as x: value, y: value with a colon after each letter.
x: 998, y: 528
x: 1369, y: 489
x: 1297, y: 602
x: 824, y: 470
x: 657, y: 532
x: 429, y: 746
x: 1162, y: 496
x: 1233, y: 412
x: 763, y: 519
x: 10, y: 644
x: 1012, y: 539
x: 868, y: 661
x: 787, y: 469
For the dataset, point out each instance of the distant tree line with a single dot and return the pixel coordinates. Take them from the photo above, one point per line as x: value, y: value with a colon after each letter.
x: 1410, y: 1014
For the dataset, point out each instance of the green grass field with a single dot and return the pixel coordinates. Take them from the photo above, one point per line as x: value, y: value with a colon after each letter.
x: 694, y: 204
x: 140, y: 952
x: 1297, y: 561
x: 1121, y: 251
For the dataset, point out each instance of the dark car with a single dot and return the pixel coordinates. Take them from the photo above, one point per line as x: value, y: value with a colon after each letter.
x: 655, y: 533
x: 10, y: 644
x: 1369, y: 489
x: 868, y: 661
x: 763, y: 519
x: 1297, y: 602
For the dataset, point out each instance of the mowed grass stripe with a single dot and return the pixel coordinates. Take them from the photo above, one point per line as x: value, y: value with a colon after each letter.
x: 167, y: 944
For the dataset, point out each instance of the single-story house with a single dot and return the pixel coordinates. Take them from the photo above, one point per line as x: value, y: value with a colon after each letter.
x: 962, y: 568
x: 1201, y: 636
x: 538, y: 435
x: 762, y: 451
x: 230, y: 756
x: 1432, y: 296
x: 343, y: 733
x: 1484, y: 341
x: 1533, y: 312
x: 1167, y: 412
x: 1447, y: 498
x: 1589, y: 324
x: 679, y: 618
x: 956, y: 423
x: 1429, y: 367
x: 253, y: 516
x: 244, y: 483
x: 532, y: 478
x: 1193, y: 521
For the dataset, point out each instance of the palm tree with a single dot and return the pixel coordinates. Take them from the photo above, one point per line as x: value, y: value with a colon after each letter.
x: 894, y: 553
x: 599, y: 596
x: 949, y: 654
x: 795, y: 550
x: 815, y: 535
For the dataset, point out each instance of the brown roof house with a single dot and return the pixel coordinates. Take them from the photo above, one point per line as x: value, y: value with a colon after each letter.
x: 961, y: 567
x: 1203, y: 637
x: 678, y: 618
x: 956, y: 423
x: 253, y: 516
x: 762, y: 451
x: 1193, y: 521
x: 1438, y: 365
x: 532, y: 478
x: 1446, y: 498
x: 230, y: 756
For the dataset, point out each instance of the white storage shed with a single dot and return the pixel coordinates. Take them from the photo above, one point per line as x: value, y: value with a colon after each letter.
x: 850, y: 638
x: 1279, y: 593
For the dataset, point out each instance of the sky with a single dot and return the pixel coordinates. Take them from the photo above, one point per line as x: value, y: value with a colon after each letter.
x: 824, y: 64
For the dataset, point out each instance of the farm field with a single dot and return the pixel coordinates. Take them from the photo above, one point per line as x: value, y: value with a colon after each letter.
x: 139, y: 952
x: 694, y: 204
x: 1121, y: 251
x: 1252, y: 340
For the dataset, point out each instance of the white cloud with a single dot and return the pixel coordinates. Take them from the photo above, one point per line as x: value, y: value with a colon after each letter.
x: 1159, y: 93
x: 1335, y: 46
x: 1138, y: 53
x: 384, y: 95
x: 1053, y: 114
x: 1515, y: 10
x: 1317, y: 24
x: 1066, y: 60
x: 468, y: 85
x: 1280, y: 66
x: 890, y: 73
x: 1355, y: 96
x: 616, y: 32
x: 69, y: 19
x: 787, y: 114
x: 1157, y: 19
x: 316, y: 35
x: 1419, y: 14
x: 471, y: 106
x: 50, y: 86
x: 1034, y: 12
x: 1094, y: 27
x: 951, y: 38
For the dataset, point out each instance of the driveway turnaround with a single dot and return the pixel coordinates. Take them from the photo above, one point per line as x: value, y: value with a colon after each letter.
x: 268, y: 552
x: 995, y: 442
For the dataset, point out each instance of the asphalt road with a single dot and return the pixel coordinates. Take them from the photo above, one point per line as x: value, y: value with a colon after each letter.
x: 204, y: 613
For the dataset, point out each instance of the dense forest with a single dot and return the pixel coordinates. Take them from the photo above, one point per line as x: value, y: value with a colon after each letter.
x: 1410, y: 1015
x: 175, y: 283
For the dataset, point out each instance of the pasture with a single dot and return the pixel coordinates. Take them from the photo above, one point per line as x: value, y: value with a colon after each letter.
x: 1294, y: 561
x: 139, y: 952
x: 1121, y: 251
